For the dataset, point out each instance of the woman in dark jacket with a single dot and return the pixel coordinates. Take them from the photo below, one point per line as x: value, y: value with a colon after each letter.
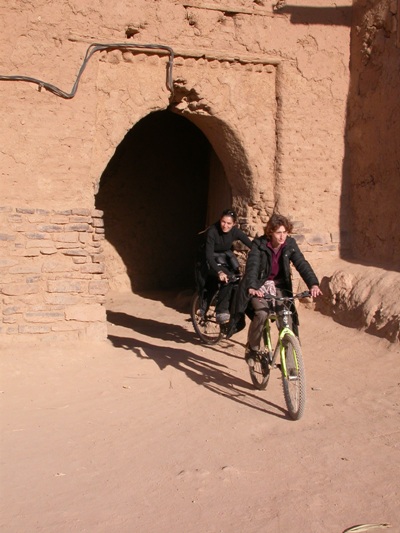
x: 218, y: 262
x: 268, y: 271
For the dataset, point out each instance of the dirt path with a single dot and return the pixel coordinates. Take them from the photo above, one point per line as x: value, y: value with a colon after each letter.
x: 153, y: 432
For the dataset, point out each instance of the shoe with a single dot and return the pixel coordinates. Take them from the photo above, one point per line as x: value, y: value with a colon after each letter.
x: 223, y: 318
x: 250, y: 356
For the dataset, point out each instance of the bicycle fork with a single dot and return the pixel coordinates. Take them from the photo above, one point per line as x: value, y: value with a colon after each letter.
x: 282, y: 351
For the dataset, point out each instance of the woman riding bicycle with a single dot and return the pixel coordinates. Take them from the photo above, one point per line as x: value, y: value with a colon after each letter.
x: 217, y: 263
x: 268, y: 272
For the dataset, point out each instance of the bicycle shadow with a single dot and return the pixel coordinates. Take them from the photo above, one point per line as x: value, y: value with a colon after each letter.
x: 201, y: 370
x: 150, y: 328
x: 166, y: 331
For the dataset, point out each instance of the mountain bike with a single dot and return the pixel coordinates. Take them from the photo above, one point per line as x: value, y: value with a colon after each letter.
x: 286, y: 355
x: 203, y: 315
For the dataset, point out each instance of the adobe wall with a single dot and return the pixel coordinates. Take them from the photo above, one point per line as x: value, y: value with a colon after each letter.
x: 374, y: 132
x: 267, y: 88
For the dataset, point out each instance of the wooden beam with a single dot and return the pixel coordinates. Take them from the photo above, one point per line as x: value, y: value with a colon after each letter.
x: 262, y: 11
x: 198, y: 53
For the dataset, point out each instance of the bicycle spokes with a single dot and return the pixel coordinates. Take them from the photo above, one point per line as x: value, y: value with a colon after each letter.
x: 293, y: 376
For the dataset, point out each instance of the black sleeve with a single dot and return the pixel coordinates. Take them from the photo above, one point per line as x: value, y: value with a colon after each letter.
x: 242, y: 237
x: 210, y: 248
x: 253, y: 266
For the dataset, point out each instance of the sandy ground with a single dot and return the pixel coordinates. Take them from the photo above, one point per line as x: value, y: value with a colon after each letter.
x: 154, y: 432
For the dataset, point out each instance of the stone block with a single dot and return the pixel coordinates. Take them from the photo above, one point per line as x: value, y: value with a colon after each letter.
x: 65, y: 285
x: 50, y: 228
x: 17, y: 289
x: 98, y: 223
x: 33, y: 329
x: 7, y: 237
x: 59, y: 219
x: 12, y: 310
x: 93, y: 268
x: 68, y: 326
x: 98, y: 287
x: 44, y: 243
x: 298, y: 238
x: 86, y: 313
x: 62, y: 299
x: 48, y: 251
x: 56, y: 266
x: 318, y: 238
x: 77, y: 252
x: 37, y: 235
x: 79, y: 219
x: 25, y: 210
x: 7, y: 262
x: 67, y: 236
x: 43, y: 316
x: 78, y: 227
x: 25, y: 269
x: 81, y: 212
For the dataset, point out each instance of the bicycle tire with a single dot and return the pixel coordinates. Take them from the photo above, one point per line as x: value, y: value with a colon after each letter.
x: 260, y: 372
x: 206, y: 327
x: 294, y: 383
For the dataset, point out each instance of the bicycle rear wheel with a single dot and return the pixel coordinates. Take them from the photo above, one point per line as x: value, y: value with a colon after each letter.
x: 259, y: 373
x: 205, y: 324
x: 294, y: 382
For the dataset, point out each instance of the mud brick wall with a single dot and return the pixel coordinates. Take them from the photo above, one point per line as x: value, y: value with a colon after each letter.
x: 52, y: 274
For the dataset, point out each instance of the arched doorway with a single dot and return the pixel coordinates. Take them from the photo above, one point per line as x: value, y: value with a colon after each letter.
x: 155, y: 194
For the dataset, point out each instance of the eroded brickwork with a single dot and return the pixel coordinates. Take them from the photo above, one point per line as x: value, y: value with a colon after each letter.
x: 52, y: 273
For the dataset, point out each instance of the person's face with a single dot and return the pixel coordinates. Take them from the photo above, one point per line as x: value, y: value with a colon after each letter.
x: 278, y: 237
x: 226, y: 223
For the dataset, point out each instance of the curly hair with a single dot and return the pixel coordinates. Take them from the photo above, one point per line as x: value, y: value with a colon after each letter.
x: 275, y: 222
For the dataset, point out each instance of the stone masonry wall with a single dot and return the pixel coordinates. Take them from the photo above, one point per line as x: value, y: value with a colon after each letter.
x: 52, y: 273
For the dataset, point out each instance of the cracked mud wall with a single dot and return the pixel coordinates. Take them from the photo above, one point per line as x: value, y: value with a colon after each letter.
x: 267, y: 89
x: 374, y: 133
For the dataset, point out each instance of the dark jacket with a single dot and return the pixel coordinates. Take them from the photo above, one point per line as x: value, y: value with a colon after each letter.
x: 219, y: 242
x: 258, y: 268
x: 215, y: 244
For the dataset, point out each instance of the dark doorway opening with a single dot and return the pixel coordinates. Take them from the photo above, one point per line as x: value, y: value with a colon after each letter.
x: 155, y: 196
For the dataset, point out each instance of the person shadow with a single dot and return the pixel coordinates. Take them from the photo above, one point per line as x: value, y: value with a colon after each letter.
x: 209, y: 373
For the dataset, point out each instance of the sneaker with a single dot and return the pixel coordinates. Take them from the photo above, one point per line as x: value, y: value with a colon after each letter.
x: 223, y: 318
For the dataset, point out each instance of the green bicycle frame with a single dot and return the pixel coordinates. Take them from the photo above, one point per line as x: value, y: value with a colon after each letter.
x: 268, y: 343
x: 286, y: 331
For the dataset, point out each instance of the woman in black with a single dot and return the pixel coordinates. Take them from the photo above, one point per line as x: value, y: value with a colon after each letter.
x: 221, y: 261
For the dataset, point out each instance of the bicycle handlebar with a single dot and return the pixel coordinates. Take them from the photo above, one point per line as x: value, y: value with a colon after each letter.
x: 298, y: 296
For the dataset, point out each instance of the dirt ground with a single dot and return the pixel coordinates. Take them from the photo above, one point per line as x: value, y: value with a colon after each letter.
x: 154, y: 432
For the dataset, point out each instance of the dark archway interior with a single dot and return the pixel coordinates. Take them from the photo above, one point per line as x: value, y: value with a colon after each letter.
x: 154, y: 194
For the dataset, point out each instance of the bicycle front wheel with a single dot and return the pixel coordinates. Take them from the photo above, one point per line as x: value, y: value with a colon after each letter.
x: 259, y: 372
x: 205, y: 323
x: 293, y: 376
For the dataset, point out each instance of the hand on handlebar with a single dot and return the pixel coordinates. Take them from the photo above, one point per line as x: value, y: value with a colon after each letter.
x: 315, y: 291
x: 256, y: 292
x: 223, y: 277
